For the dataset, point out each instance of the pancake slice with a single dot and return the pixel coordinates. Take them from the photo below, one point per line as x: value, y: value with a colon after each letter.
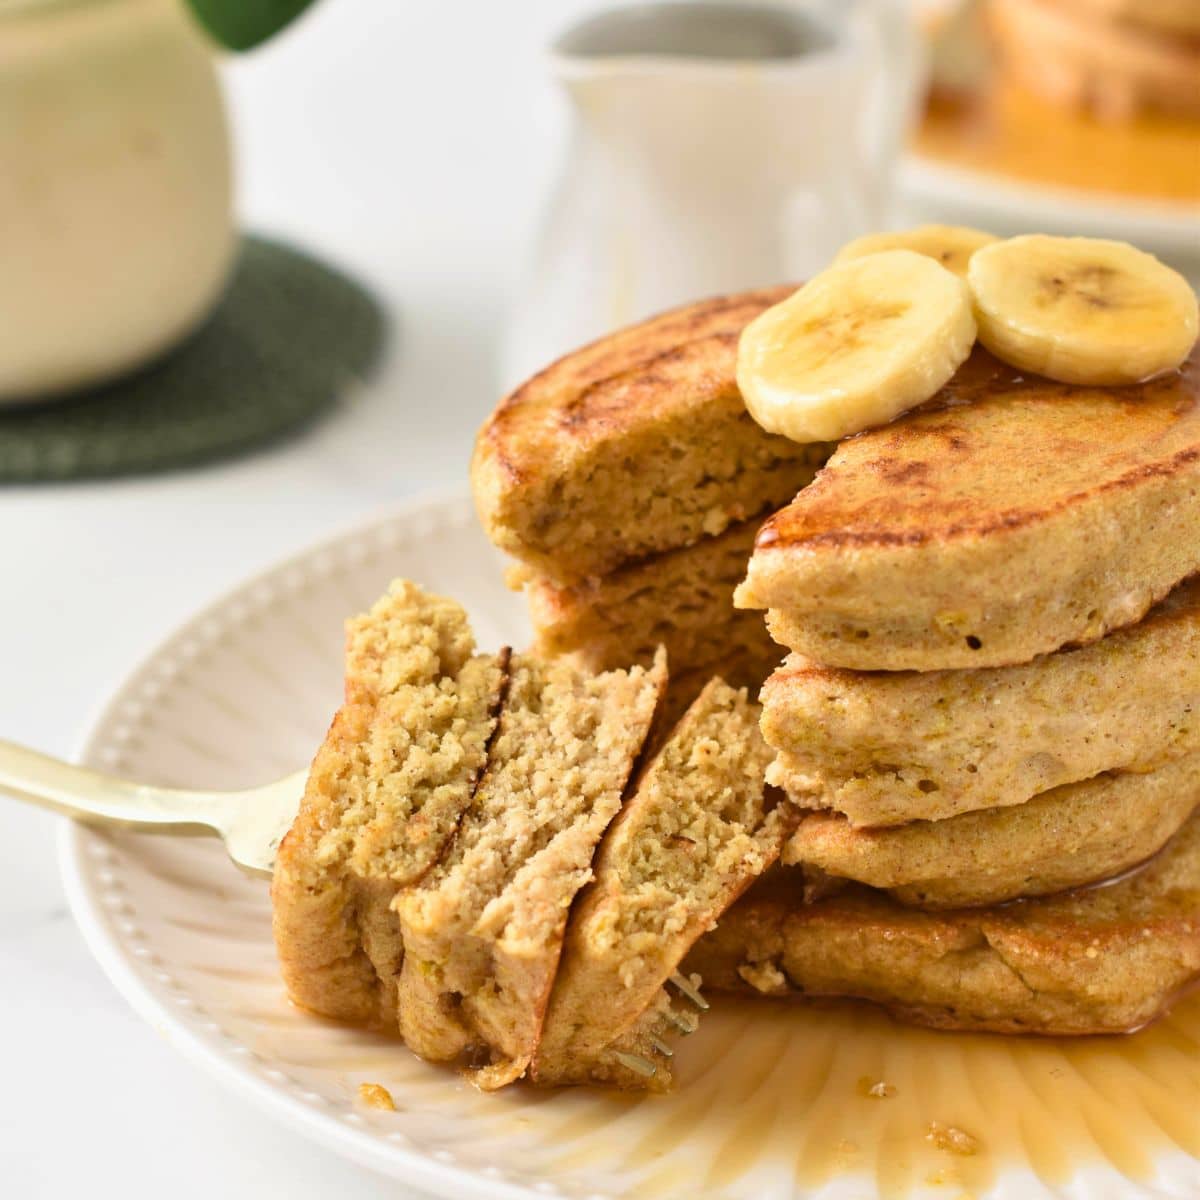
x: 697, y: 831
x: 483, y: 932
x: 636, y: 444
x: 682, y: 599
x: 384, y: 796
x: 889, y: 747
x: 1101, y: 960
x: 1009, y: 517
x: 1064, y: 838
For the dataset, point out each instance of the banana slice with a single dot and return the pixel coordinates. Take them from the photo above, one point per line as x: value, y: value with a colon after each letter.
x: 855, y: 347
x: 951, y: 245
x: 1081, y: 310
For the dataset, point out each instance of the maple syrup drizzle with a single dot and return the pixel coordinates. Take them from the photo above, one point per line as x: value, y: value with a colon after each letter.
x: 774, y: 1090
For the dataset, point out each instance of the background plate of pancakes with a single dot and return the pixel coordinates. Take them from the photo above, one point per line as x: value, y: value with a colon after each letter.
x: 774, y: 1100
x: 1073, y: 116
x: 930, y: 188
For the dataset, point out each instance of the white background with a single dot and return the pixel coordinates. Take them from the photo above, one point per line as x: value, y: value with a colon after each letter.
x: 411, y: 141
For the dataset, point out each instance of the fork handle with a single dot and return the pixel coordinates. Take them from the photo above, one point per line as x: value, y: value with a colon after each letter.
x: 99, y: 799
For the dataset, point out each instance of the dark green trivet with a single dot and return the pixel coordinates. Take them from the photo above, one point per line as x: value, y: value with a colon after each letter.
x: 286, y: 340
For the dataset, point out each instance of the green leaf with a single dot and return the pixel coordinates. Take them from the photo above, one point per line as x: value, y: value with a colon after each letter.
x: 242, y: 24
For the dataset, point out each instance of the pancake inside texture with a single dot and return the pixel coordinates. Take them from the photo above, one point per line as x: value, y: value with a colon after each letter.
x: 1068, y: 510
x: 384, y: 796
x: 634, y: 445
x: 681, y: 599
x: 696, y: 832
x: 482, y: 933
x: 451, y: 815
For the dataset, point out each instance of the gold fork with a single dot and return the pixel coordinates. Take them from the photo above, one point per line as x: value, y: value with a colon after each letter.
x: 251, y: 822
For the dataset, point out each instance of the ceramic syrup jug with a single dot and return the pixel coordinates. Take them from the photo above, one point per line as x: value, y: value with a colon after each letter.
x: 715, y: 147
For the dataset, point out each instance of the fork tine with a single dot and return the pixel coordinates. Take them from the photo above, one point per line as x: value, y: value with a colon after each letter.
x: 680, y: 1022
x: 662, y: 1047
x: 689, y: 991
x: 636, y: 1063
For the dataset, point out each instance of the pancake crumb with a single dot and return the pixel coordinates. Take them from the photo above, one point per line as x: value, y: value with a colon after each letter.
x: 875, y: 1089
x: 764, y: 977
x: 375, y: 1095
x: 952, y: 1139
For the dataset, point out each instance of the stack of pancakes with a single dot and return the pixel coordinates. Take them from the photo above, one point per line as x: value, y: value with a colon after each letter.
x: 1116, y: 57
x: 992, y: 705
x: 992, y: 698
x: 629, y: 481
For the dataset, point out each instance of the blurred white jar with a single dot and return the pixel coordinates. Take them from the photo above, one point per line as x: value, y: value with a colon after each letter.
x: 116, y: 225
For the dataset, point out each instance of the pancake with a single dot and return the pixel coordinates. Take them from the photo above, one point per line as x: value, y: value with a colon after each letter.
x: 889, y: 747
x: 1073, y: 53
x: 1104, y: 960
x: 1007, y: 518
x: 636, y: 444
x: 1169, y: 18
x: 1065, y: 838
x: 682, y: 600
x: 385, y: 794
x: 483, y: 930
x: 697, y: 831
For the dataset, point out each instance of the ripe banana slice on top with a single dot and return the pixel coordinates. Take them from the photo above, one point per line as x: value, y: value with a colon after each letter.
x: 951, y: 245
x: 856, y: 346
x: 1082, y: 310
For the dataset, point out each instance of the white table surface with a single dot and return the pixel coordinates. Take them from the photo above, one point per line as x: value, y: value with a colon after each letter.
x: 410, y: 141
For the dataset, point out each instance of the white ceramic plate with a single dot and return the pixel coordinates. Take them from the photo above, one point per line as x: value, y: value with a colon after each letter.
x: 931, y: 190
x: 771, y: 1104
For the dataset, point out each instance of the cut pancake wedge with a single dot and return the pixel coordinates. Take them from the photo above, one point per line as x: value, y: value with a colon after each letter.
x: 696, y: 832
x: 1103, y: 960
x: 385, y: 794
x: 635, y: 444
x: 482, y: 933
x: 1061, y: 839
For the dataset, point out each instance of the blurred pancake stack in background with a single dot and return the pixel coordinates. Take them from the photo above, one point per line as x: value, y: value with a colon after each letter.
x: 1098, y: 96
x: 1118, y: 58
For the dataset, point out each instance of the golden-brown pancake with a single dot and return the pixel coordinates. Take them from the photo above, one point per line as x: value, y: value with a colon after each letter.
x: 1102, y: 960
x: 636, y: 444
x: 885, y: 747
x: 1067, y: 837
x: 1008, y: 517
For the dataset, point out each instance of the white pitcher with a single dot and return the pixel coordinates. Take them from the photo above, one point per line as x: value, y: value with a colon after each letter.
x: 716, y: 146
